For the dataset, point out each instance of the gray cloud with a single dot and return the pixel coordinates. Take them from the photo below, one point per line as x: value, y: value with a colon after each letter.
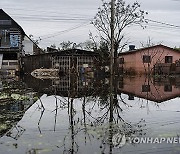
x: 161, y: 10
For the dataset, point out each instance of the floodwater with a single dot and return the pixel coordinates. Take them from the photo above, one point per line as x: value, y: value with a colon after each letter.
x: 74, y: 115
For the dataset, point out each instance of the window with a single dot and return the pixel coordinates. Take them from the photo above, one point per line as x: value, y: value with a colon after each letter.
x: 14, y: 41
x: 5, y: 22
x: 10, y: 56
x: 146, y: 59
x: 167, y: 88
x: 5, y: 63
x: 4, y: 38
x: 13, y: 63
x: 121, y: 84
x: 121, y: 60
x: 168, y: 59
x: 145, y: 88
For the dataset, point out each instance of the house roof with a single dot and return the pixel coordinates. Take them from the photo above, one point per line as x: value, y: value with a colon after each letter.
x: 72, y: 51
x: 147, y: 48
x: 69, y: 52
x: 154, y: 99
x: 13, y: 24
x: 77, y: 52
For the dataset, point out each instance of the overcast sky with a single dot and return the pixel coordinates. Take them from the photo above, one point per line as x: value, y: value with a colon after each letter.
x: 55, y: 21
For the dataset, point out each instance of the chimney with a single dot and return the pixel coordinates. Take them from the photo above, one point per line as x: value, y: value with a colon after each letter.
x: 131, y: 47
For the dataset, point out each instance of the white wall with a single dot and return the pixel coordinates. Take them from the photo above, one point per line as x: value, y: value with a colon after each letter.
x: 27, y: 46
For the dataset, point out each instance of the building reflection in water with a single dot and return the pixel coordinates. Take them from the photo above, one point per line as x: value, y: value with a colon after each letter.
x: 83, y: 114
x: 95, y: 116
x: 151, y: 88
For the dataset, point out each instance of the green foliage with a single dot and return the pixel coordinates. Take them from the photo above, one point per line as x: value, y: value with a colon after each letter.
x: 103, y: 50
x: 177, y: 48
x: 65, y: 45
x: 91, y: 45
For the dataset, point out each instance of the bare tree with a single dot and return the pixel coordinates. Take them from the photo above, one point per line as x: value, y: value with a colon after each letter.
x: 149, y: 43
x: 125, y: 15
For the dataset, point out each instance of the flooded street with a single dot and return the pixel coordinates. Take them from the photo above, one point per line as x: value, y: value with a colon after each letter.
x: 74, y: 115
x: 89, y: 77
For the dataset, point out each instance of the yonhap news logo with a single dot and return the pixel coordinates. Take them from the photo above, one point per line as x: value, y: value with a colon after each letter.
x: 119, y: 140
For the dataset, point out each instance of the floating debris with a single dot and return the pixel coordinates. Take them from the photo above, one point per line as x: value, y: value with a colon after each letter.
x: 45, y: 73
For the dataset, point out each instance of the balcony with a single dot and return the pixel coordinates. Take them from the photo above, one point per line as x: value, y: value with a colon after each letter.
x: 10, y: 65
x: 5, y: 49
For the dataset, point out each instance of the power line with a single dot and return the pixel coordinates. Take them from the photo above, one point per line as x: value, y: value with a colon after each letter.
x: 159, y: 27
x: 73, y: 16
x: 51, y: 14
x: 53, y: 20
x: 46, y: 13
x: 163, y: 23
x: 62, y: 32
x: 68, y: 17
x: 77, y: 17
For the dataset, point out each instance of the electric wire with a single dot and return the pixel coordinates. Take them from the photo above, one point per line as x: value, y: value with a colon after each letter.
x: 53, y: 16
x: 62, y: 32
x: 163, y: 23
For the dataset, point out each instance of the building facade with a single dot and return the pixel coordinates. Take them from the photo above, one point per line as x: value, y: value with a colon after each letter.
x: 67, y: 61
x: 29, y: 47
x: 157, y: 59
x: 75, y: 60
x: 14, y: 43
x: 11, y: 36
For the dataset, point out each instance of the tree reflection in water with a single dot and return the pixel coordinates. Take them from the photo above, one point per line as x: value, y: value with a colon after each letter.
x: 92, y: 113
x: 99, y: 117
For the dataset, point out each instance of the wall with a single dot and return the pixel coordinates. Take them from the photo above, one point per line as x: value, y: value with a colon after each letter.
x: 64, y: 63
x: 27, y: 46
x: 133, y: 62
x: 30, y: 63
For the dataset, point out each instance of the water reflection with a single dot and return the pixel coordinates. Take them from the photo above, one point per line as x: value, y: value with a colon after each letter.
x: 15, y: 99
x: 157, y: 89
x: 96, y: 115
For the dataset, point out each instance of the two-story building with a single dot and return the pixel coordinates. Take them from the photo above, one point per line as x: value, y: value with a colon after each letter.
x: 14, y: 43
x: 158, y: 59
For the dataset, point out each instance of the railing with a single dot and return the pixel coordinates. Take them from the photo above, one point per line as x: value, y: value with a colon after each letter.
x: 8, y: 49
x: 10, y: 64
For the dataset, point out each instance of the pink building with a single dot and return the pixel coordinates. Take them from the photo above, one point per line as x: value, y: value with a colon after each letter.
x: 158, y: 59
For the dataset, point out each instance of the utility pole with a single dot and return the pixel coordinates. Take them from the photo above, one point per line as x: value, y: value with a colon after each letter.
x: 112, y: 59
x: 112, y: 37
x: 111, y: 74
